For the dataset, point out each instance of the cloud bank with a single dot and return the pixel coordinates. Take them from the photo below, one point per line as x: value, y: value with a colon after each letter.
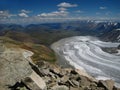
x: 23, y: 15
x: 66, y: 5
x: 62, y: 13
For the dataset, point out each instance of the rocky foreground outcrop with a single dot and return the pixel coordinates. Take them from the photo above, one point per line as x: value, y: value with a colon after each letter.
x: 57, y: 78
x: 18, y: 72
x: 13, y: 66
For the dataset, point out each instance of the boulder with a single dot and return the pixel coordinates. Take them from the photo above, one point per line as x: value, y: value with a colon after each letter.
x: 47, y: 79
x: 55, y: 70
x: 30, y: 84
x: 85, y: 74
x: 70, y: 83
x: 51, y: 75
x: 84, y: 81
x: 76, y: 83
x: 75, y: 77
x: 115, y: 88
x: 64, y: 78
x: 73, y: 72
x: 63, y: 72
x: 93, y: 86
x: 45, y: 72
x: 13, y: 67
x: 38, y: 80
x: 57, y: 87
x: 108, y: 84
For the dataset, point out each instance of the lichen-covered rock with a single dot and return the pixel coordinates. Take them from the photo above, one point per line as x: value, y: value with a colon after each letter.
x: 13, y: 67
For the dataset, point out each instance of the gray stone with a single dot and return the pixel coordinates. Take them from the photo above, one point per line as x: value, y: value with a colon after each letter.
x: 13, y: 67
x: 62, y: 87
x: 73, y: 88
x: 51, y: 75
x: 115, y: 88
x: 55, y: 70
x: 108, y: 84
x: 73, y: 72
x: 47, y: 79
x: 38, y: 80
x: 93, y: 86
x: 63, y: 72
x: 84, y: 81
x: 69, y: 83
x: 65, y: 78
x: 45, y: 71
x: 76, y: 83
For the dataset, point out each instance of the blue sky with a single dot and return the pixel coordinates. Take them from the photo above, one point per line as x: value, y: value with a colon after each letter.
x: 36, y: 11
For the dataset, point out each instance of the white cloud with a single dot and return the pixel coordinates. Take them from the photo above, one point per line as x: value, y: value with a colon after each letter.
x: 62, y: 9
x: 1, y: 12
x: 23, y: 15
x: 54, y: 14
x: 102, y: 8
x: 25, y: 11
x: 6, y: 14
x: 36, y: 19
x: 66, y: 5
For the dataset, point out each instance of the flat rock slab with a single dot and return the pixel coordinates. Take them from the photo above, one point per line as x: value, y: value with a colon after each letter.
x: 38, y: 80
x: 13, y: 67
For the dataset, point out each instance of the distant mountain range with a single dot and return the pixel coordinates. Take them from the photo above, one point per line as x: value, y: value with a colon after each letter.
x: 49, y: 32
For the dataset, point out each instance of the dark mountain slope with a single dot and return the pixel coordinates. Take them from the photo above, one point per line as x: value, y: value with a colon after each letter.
x: 113, y: 35
x: 51, y: 32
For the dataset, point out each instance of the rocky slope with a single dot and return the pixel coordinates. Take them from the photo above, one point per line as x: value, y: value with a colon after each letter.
x: 57, y: 78
x: 113, y: 35
x: 13, y: 66
x: 18, y: 72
